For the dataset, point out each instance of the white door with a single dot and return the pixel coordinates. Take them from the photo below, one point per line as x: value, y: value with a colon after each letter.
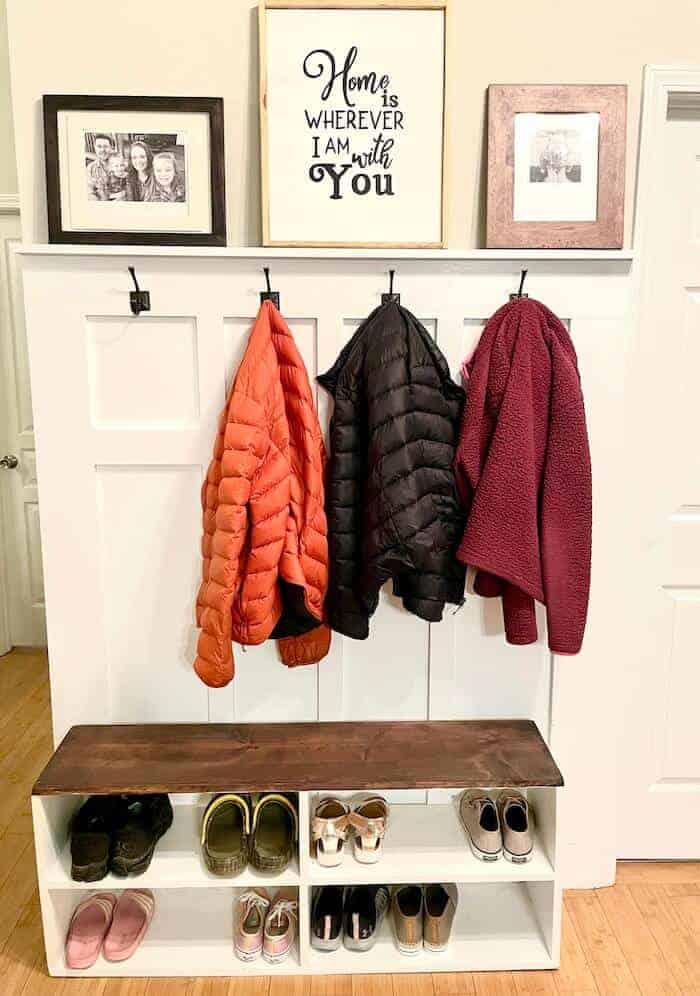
x: 22, y: 621
x: 658, y: 719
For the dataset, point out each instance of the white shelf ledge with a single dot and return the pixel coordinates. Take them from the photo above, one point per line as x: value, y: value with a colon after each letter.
x: 495, y: 928
x: 191, y: 934
x: 261, y: 252
x: 429, y: 838
x: 177, y: 864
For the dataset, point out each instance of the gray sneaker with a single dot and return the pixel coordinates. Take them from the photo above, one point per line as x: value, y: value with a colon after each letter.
x: 516, y: 823
x: 479, y: 817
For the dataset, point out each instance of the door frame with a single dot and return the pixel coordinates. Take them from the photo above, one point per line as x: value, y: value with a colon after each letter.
x: 659, y: 82
x: 5, y: 641
x: 9, y: 216
x: 8, y: 205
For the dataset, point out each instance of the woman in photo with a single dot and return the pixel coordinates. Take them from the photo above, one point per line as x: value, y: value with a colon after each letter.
x: 140, y: 180
x: 169, y: 184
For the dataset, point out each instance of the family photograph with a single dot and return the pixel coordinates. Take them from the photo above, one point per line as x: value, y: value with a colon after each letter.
x: 129, y: 167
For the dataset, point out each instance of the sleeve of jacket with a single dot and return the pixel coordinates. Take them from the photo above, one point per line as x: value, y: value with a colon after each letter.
x: 566, y: 511
x: 347, y: 614
x: 241, y: 444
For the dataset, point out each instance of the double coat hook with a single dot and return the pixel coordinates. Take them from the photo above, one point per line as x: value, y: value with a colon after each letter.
x: 140, y: 300
x: 391, y: 296
x: 514, y: 297
x: 269, y: 295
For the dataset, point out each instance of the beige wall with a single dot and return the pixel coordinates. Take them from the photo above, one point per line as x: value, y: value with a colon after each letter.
x: 209, y: 47
x: 8, y: 170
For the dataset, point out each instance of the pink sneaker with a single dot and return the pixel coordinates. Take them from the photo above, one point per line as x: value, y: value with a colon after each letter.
x: 132, y: 915
x: 249, y: 922
x: 88, y: 926
x: 280, y: 926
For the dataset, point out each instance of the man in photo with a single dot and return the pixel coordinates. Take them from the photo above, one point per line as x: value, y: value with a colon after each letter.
x: 98, y: 170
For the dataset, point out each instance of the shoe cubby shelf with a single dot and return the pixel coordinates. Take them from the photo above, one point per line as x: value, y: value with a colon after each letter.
x: 508, y: 915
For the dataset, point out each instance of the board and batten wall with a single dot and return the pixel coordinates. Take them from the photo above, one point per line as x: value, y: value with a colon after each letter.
x: 125, y: 413
x: 210, y: 48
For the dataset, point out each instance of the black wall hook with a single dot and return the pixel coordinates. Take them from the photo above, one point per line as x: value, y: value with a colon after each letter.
x: 269, y: 295
x: 391, y: 296
x: 513, y: 297
x: 139, y: 300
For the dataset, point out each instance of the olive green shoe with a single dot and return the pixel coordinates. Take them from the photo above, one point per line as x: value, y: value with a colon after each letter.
x: 226, y: 834
x: 275, y: 832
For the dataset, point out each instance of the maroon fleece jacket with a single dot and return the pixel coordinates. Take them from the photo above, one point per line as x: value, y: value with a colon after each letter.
x: 523, y: 470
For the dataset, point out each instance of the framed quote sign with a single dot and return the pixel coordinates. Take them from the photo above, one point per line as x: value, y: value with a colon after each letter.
x: 352, y: 122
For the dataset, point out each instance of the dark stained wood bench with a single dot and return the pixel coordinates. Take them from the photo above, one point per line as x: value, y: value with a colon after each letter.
x: 189, y: 758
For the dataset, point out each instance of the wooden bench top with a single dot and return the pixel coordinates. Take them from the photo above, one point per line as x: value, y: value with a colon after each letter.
x: 216, y: 757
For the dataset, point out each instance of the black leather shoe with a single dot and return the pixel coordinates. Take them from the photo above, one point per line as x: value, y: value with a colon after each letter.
x: 91, y: 837
x: 143, y: 821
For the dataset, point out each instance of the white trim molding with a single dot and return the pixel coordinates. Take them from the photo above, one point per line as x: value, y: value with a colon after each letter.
x: 660, y: 82
x: 262, y: 252
x: 9, y: 204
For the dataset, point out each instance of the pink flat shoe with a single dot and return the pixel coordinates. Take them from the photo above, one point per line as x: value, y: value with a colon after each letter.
x: 88, y: 926
x: 132, y: 915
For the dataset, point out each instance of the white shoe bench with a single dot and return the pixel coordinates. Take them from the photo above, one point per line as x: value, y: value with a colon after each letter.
x: 508, y: 916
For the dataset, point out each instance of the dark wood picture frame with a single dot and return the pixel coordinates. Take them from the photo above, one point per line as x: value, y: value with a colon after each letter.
x: 607, y: 231
x: 213, y: 106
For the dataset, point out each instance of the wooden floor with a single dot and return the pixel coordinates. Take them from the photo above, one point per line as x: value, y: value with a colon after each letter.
x: 640, y: 936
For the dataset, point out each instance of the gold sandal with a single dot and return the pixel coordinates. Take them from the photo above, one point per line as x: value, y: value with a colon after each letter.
x: 329, y: 829
x: 369, y: 820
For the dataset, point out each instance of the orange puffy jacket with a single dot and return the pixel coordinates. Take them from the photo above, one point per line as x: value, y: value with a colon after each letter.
x: 265, y: 545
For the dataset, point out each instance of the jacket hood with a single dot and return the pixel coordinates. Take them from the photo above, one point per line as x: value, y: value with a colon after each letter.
x: 390, y: 321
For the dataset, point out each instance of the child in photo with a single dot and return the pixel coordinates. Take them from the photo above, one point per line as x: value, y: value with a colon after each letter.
x: 169, y: 184
x: 116, y: 180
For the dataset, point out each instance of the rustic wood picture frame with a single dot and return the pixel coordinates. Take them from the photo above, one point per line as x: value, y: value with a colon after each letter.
x: 398, y: 5
x: 607, y: 231
x: 213, y: 106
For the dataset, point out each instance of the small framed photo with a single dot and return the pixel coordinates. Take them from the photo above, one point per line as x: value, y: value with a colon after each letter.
x: 556, y: 167
x: 352, y: 122
x: 135, y: 170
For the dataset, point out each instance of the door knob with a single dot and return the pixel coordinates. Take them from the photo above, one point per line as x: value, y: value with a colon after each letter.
x: 9, y: 462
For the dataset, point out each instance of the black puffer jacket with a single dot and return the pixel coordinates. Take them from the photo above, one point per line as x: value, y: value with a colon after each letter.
x: 392, y: 504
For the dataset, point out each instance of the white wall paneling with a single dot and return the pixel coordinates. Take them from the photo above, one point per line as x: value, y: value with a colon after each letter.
x: 125, y: 413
